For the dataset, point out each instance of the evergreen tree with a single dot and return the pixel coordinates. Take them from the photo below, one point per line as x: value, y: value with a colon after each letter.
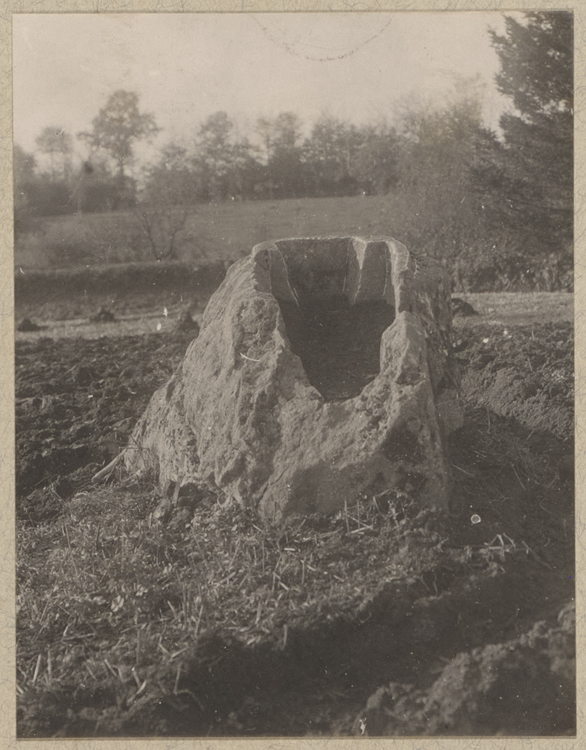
x: 529, y: 176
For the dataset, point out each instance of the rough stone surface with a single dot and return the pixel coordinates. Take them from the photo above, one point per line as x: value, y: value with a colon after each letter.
x: 322, y: 370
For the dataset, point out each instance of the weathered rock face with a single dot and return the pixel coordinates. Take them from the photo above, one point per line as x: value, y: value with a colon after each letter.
x: 322, y: 371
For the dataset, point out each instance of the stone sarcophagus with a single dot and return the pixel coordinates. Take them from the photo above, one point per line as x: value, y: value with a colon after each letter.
x: 322, y: 372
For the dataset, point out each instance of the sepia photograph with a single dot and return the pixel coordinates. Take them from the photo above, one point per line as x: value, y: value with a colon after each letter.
x: 294, y: 374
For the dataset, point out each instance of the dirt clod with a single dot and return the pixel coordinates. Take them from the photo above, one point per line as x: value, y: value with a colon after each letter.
x: 27, y: 325
x: 462, y: 308
x: 187, y: 323
x: 104, y: 315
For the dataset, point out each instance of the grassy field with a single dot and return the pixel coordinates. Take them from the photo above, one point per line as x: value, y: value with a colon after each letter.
x: 477, y: 260
x: 215, y: 231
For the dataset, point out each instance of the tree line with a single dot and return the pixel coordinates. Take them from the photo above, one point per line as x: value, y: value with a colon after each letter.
x: 336, y: 158
x: 499, y: 205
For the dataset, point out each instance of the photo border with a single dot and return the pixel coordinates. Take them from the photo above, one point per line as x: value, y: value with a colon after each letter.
x: 7, y: 536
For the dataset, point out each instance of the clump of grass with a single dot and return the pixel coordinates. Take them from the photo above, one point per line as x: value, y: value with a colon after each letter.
x: 113, y: 603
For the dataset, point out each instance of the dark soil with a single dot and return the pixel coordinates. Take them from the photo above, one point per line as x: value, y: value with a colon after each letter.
x: 73, y: 292
x: 476, y: 601
x: 76, y: 403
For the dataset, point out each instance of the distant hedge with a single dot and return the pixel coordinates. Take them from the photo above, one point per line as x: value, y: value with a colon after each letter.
x: 119, y: 278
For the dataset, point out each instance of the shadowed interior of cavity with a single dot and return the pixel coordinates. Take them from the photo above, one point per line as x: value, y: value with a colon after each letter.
x: 335, y: 331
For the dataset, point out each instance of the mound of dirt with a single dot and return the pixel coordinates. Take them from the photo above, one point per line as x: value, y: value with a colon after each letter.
x: 524, y: 686
x: 525, y: 373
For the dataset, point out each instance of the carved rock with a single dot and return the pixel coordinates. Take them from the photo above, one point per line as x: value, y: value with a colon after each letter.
x: 323, y: 370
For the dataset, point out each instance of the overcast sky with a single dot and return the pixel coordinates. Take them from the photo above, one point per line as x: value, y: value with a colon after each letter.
x: 355, y: 66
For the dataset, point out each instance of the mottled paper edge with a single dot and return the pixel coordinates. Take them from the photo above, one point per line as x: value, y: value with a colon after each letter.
x: 7, y: 537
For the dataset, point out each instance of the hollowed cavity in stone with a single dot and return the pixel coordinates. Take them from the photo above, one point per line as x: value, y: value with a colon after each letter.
x: 336, y: 302
x: 338, y: 343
